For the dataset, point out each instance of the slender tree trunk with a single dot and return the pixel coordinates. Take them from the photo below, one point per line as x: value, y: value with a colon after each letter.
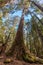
x: 41, y: 8
x: 40, y: 34
x: 36, y: 16
x: 5, y: 44
x: 37, y: 36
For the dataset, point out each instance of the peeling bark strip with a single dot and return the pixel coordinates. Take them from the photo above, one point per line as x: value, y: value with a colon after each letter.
x: 41, y: 8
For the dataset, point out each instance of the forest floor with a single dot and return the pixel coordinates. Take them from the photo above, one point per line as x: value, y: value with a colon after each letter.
x: 15, y: 61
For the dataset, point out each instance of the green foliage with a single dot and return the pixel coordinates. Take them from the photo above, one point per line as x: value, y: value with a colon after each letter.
x: 1, y: 0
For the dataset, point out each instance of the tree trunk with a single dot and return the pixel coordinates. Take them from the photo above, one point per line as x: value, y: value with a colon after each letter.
x: 35, y: 16
x: 41, y: 8
x: 5, y: 44
x: 18, y: 47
